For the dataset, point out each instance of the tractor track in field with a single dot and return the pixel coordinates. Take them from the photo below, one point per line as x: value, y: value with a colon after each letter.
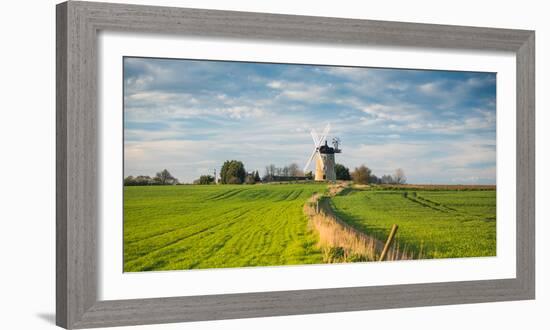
x: 225, y: 194
x: 440, y: 207
x: 180, y: 239
x: 160, y: 234
x: 423, y: 203
x: 443, y: 206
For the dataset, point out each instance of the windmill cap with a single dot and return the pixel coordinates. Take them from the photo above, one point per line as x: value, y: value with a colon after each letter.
x: 325, y: 149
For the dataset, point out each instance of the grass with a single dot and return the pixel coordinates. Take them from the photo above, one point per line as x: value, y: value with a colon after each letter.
x: 432, y: 223
x: 195, y: 227
x: 341, y: 242
x: 190, y: 227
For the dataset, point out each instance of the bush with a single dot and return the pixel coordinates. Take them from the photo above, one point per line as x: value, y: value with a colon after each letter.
x: 342, y: 172
x: 205, y: 179
x: 140, y: 180
x: 334, y: 254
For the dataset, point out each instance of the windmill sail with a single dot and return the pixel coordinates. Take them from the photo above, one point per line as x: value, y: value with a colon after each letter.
x: 310, y: 159
x: 315, y: 137
x: 317, y: 142
x: 324, y: 135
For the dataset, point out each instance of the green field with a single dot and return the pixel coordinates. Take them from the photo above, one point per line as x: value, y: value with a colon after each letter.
x: 436, y: 224
x: 220, y: 226
x: 187, y: 227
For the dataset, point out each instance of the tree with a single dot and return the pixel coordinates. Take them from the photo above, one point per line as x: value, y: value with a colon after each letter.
x: 386, y: 179
x: 129, y: 181
x: 232, y: 172
x: 294, y: 170
x: 361, y: 174
x: 205, y: 179
x: 309, y: 175
x: 374, y: 179
x: 342, y: 172
x: 285, y: 171
x: 164, y: 178
x: 270, y: 170
x: 257, y: 177
x: 143, y: 180
x: 399, y: 176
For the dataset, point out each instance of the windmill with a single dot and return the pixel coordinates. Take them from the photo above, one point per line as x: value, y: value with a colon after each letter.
x: 324, y: 156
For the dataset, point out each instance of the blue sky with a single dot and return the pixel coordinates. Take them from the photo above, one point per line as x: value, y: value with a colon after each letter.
x: 189, y: 116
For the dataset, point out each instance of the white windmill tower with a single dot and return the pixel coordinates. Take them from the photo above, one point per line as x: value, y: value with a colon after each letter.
x: 324, y: 156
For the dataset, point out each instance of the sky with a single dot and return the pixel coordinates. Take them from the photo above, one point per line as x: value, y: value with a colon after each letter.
x: 189, y: 116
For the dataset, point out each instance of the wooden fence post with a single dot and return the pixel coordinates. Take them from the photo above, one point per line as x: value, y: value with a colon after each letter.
x: 388, y: 242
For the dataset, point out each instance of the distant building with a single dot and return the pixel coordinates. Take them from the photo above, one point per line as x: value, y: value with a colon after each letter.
x: 281, y: 178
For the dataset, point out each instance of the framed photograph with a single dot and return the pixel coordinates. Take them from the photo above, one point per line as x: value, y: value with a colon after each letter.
x: 217, y: 164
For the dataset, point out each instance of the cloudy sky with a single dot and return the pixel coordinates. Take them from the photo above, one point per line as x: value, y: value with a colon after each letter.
x: 189, y: 116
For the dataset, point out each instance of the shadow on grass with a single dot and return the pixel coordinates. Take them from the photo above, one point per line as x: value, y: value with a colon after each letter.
x: 345, y: 192
x: 380, y: 234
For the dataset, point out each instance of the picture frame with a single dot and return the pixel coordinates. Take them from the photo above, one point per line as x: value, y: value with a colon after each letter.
x: 77, y: 27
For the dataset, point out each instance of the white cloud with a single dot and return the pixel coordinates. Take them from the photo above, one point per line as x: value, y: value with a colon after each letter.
x: 398, y: 112
x: 436, y: 161
x: 429, y: 88
x: 275, y: 84
x: 239, y: 112
x: 350, y: 73
x: 155, y: 97
x: 298, y: 91
x: 140, y: 82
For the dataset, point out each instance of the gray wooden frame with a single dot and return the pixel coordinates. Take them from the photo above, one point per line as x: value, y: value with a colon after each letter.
x: 78, y: 24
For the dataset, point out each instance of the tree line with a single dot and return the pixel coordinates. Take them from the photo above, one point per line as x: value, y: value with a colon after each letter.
x: 290, y: 171
x: 234, y: 172
x: 364, y: 175
x: 162, y: 178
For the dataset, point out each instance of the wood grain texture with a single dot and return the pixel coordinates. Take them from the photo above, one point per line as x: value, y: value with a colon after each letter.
x: 198, y: 308
x: 77, y: 188
x: 61, y: 166
x: 295, y: 28
x: 77, y: 142
x: 525, y: 165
